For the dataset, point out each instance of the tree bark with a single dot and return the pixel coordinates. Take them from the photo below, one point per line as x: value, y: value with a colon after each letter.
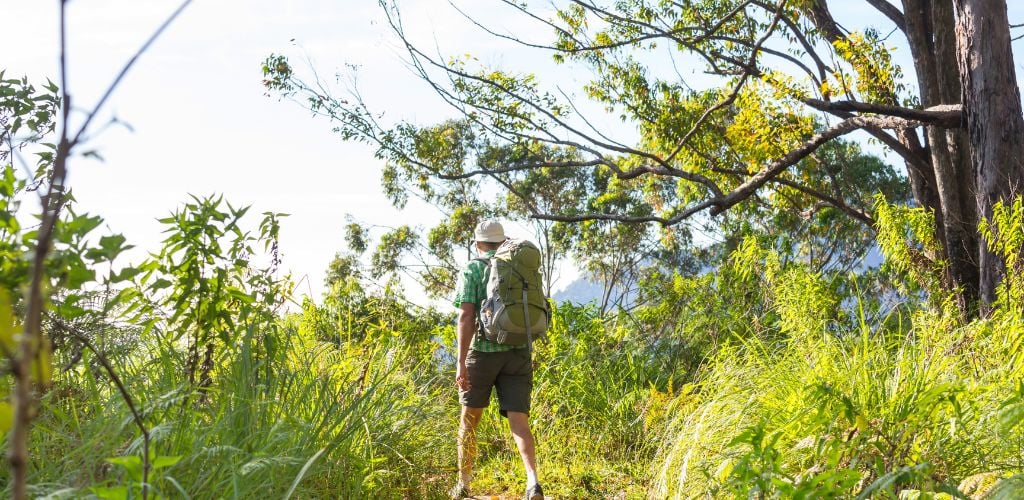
x: 962, y: 54
x: 930, y: 34
x: 995, y: 123
x: 923, y: 175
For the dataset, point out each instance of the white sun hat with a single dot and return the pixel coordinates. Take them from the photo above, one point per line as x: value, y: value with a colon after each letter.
x: 489, y: 231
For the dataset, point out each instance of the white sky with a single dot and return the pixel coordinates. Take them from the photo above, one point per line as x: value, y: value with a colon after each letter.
x: 202, y: 124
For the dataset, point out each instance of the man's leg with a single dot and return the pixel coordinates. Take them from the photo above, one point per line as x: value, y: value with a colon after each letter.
x: 514, y: 385
x: 467, y: 442
x: 519, y: 423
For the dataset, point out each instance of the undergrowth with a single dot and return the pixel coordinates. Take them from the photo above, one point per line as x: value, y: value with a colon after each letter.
x: 762, y: 379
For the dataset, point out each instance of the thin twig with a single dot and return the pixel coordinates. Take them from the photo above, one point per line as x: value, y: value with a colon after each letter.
x: 127, y: 397
x: 124, y: 70
x: 52, y: 202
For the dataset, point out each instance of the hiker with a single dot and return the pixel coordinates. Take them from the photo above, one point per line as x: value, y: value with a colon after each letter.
x: 483, y: 364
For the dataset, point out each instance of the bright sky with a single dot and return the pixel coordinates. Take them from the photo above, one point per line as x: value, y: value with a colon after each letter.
x: 201, y: 121
x: 202, y: 124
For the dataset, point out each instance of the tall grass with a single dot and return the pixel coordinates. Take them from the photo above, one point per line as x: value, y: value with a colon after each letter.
x: 760, y: 380
x: 825, y: 403
x: 369, y: 418
x: 324, y: 421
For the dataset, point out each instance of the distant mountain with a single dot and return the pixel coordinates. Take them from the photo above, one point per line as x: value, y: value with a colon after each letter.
x: 579, y: 291
x: 583, y: 291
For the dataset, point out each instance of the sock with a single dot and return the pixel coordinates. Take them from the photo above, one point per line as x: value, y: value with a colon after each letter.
x: 531, y: 478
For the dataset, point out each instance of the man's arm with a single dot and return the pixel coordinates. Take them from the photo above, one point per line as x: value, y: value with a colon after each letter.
x: 464, y: 331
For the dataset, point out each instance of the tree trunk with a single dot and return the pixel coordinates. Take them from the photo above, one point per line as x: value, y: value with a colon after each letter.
x: 930, y: 33
x: 925, y: 183
x: 995, y: 124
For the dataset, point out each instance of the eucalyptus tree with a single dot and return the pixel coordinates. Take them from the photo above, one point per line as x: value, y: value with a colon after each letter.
x: 789, y: 82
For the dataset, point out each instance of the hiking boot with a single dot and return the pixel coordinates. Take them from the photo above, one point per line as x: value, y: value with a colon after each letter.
x: 534, y: 492
x: 459, y: 491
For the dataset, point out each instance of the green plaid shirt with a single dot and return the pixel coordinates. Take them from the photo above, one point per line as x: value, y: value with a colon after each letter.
x: 472, y: 287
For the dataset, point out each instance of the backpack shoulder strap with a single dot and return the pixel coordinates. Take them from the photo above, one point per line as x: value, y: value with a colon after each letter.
x: 487, y: 269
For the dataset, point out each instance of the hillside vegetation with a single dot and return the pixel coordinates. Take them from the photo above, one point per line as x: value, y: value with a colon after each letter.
x: 760, y: 379
x: 744, y: 344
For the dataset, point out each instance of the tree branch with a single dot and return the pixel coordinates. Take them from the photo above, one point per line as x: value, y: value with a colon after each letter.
x: 519, y: 167
x: 890, y: 11
x: 127, y: 397
x: 825, y: 198
x: 669, y: 221
x: 829, y: 200
x: 944, y: 116
x: 912, y: 156
x: 52, y: 202
x: 124, y: 70
x: 751, y: 68
x: 665, y: 164
x: 801, y: 152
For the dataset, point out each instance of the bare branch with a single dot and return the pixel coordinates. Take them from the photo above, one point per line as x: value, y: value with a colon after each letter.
x: 713, y: 59
x: 126, y: 396
x: 799, y: 153
x: 823, y: 69
x: 829, y: 200
x: 579, y: 47
x: 825, y: 198
x: 945, y: 116
x: 890, y: 11
x: 124, y: 70
x: 675, y: 219
x: 419, y: 55
x: 911, y: 152
x: 748, y: 72
x: 605, y: 217
x: 777, y: 53
x: 587, y: 121
x: 818, y: 11
x: 52, y: 202
x: 519, y: 167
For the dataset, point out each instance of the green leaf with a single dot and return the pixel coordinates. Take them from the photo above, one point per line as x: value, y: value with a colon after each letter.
x: 302, y: 472
x: 114, y: 245
x: 1011, y: 416
x: 160, y: 283
x: 69, y: 309
x: 78, y: 274
x: 125, y: 274
x: 131, y: 464
x: 1008, y: 488
x: 81, y: 225
x: 110, y: 493
x: 164, y: 462
x: 8, y: 323
x: 110, y: 247
x: 6, y: 417
x: 241, y: 295
x: 41, y: 367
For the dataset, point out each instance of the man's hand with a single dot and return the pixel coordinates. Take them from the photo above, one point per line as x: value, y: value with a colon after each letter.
x: 462, y: 377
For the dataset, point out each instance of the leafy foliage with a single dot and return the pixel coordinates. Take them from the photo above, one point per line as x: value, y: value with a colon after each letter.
x: 765, y: 362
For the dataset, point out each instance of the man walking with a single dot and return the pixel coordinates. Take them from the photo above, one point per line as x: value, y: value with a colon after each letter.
x: 483, y: 364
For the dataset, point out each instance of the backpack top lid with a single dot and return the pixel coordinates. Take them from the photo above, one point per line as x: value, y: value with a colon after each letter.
x: 524, y: 255
x: 516, y: 267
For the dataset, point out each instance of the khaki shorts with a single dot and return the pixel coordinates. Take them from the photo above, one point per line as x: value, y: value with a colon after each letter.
x: 510, y: 372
